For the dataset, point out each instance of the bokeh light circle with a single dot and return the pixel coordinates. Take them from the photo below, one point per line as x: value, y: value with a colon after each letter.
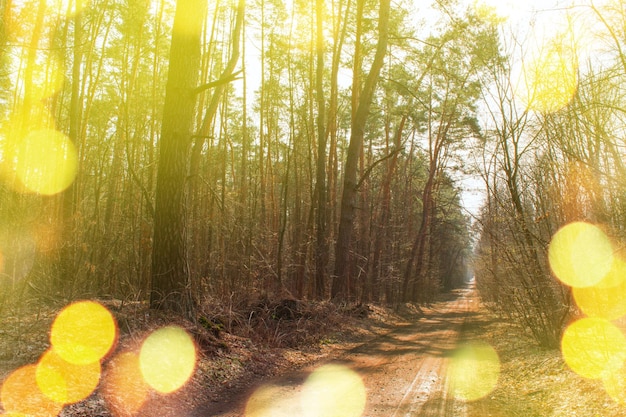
x: 272, y: 401
x: 333, y: 391
x: 473, y: 371
x: 593, y: 347
x: 606, y: 299
x: 47, y: 161
x: 84, y: 332
x: 21, y: 395
x: 614, y: 381
x: 123, y: 386
x: 64, y: 382
x: 580, y: 254
x: 167, y: 359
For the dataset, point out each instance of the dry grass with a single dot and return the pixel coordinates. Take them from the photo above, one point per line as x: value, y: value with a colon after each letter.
x: 237, y: 344
x: 534, y: 381
x: 255, y: 342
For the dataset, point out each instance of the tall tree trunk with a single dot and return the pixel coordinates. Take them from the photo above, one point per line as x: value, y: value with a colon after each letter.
x: 340, y: 284
x: 321, y: 245
x: 170, y: 274
x: 414, y: 271
x: 340, y: 34
x: 382, y: 224
x: 67, y: 267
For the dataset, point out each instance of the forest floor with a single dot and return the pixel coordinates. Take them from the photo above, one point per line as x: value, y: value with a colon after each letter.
x: 401, y: 358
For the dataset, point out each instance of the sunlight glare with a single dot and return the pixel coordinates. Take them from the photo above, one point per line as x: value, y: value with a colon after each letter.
x: 606, y: 299
x: 67, y: 8
x: 501, y: 8
x: 18, y: 252
x: 46, y: 161
x: 614, y: 382
x: 592, y: 347
x: 333, y: 391
x: 20, y: 395
x: 473, y: 371
x: 186, y: 22
x: 83, y: 333
x: 549, y: 80
x: 580, y: 254
x: 123, y: 386
x: 271, y: 401
x: 64, y: 382
x: 167, y: 359
x: 47, y: 78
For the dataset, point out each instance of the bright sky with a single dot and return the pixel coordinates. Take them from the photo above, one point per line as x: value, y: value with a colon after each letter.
x: 536, y: 23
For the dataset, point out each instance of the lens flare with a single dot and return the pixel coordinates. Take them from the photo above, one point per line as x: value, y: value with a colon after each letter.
x: 580, y: 254
x: 500, y: 8
x: 550, y: 81
x: 46, y: 161
x: 47, y: 78
x: 473, y: 371
x: 271, y: 401
x: 18, y: 252
x: 123, y: 386
x: 62, y: 9
x: 614, y: 382
x: 548, y: 77
x: 20, y: 395
x: 606, y: 299
x: 83, y: 333
x: 593, y: 347
x: 64, y: 382
x: 167, y: 359
x: 21, y: 122
x: 333, y: 391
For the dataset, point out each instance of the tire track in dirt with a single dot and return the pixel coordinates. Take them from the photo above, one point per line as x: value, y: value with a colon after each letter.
x: 434, y: 337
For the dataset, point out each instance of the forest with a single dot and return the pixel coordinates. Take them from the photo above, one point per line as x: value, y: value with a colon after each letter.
x: 264, y: 149
x: 184, y: 153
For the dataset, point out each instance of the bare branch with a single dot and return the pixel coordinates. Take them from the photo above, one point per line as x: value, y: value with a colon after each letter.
x: 369, y: 169
x: 224, y: 80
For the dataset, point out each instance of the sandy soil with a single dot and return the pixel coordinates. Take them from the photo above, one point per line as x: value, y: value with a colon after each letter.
x: 403, y: 370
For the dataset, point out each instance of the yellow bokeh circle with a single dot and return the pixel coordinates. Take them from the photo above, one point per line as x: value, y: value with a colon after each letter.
x: 21, y: 396
x: 83, y: 333
x: 273, y: 401
x: 606, y: 299
x: 473, y: 371
x: 167, y: 359
x: 333, y: 391
x: 580, y: 254
x: 46, y: 161
x: 64, y: 382
x: 593, y: 347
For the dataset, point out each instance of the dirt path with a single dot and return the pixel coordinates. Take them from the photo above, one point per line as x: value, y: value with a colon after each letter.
x: 403, y: 371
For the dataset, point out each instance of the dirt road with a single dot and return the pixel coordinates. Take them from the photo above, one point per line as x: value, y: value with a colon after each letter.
x: 403, y: 372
